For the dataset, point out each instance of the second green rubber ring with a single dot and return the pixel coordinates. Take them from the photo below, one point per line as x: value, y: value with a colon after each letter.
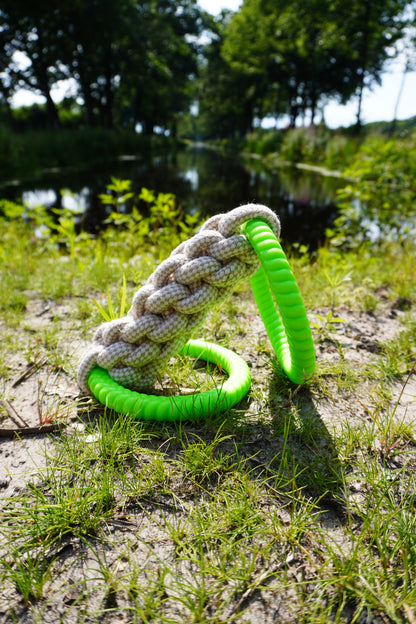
x: 288, y: 327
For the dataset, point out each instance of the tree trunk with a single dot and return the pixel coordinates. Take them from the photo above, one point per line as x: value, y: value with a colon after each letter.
x: 52, y: 111
x: 6, y: 93
x: 293, y: 114
x: 147, y: 127
x: 174, y: 129
x: 107, y: 110
x: 364, y: 61
x: 41, y: 72
x: 293, y: 105
x: 43, y: 84
x: 360, y: 101
x: 313, y: 105
x: 399, y: 96
x: 86, y: 94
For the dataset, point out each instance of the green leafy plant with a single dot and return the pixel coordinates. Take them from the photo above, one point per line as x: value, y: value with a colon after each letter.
x: 110, y: 313
x: 325, y: 324
x: 379, y: 204
x: 146, y: 216
x: 29, y: 570
x: 336, y: 286
x: 119, y: 194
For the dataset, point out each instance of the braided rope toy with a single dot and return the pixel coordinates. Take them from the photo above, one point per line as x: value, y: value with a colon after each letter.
x: 129, y: 353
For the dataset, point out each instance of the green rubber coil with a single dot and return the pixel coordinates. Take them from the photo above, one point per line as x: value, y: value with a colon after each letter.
x: 274, y: 286
x: 284, y: 316
x: 189, y: 407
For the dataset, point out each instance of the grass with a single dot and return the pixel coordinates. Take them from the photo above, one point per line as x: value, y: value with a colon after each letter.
x: 296, y: 506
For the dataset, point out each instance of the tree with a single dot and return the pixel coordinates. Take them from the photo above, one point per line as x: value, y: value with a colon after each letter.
x: 225, y: 101
x: 8, y: 82
x: 408, y: 52
x: 246, y: 48
x: 131, y: 59
x: 36, y: 36
x: 371, y: 28
x: 98, y: 35
x: 154, y: 88
x: 299, y: 51
x: 290, y: 51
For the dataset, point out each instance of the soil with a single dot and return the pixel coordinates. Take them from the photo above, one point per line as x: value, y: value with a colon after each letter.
x: 37, y: 393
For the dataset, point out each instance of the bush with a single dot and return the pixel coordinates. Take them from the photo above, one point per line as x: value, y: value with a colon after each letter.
x: 316, y: 145
x: 339, y: 151
x: 305, y: 145
x: 264, y: 141
x: 381, y: 203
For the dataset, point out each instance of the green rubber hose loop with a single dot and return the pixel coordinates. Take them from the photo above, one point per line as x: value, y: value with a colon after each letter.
x: 190, y: 407
x: 289, y: 333
x: 287, y: 327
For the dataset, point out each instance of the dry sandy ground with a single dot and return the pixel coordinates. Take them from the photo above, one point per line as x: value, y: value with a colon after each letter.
x: 37, y: 392
x: 34, y: 393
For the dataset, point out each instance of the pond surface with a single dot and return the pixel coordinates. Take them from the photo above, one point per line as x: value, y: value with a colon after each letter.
x: 202, y: 180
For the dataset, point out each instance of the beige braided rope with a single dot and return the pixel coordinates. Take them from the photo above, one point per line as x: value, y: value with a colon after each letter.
x: 175, y: 300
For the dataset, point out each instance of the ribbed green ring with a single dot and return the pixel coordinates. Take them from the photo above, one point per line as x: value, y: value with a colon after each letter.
x: 289, y: 333
x: 288, y: 327
x: 190, y: 407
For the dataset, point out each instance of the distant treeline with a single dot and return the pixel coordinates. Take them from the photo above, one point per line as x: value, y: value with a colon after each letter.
x: 167, y: 66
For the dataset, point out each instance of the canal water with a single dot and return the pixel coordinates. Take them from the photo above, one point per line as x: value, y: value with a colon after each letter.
x: 202, y: 180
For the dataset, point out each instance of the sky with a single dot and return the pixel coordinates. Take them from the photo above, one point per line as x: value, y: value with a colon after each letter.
x: 378, y: 104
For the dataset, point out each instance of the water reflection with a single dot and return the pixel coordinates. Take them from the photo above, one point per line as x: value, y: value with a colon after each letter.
x: 202, y: 180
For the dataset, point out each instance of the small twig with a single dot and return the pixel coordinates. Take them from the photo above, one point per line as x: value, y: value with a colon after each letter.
x: 26, y: 431
x: 14, y: 415
x: 366, y: 409
x: 123, y: 524
x: 44, y: 310
x: 28, y: 372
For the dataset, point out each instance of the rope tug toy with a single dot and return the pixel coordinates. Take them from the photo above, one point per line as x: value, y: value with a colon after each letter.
x: 129, y: 353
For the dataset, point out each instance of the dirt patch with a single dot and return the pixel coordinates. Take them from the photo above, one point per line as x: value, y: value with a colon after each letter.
x: 41, y: 390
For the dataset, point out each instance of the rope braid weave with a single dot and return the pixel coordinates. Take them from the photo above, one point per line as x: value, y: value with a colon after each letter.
x: 175, y: 300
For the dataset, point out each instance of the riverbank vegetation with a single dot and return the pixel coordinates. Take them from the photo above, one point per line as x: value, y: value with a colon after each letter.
x: 334, y: 149
x: 35, y: 152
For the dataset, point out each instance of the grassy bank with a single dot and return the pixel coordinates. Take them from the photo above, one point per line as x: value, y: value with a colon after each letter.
x: 322, y: 146
x: 296, y: 506
x: 29, y: 152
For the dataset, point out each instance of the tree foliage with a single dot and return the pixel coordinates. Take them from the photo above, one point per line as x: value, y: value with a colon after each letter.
x: 296, y: 53
x: 143, y: 62
x: 226, y: 98
x: 131, y: 61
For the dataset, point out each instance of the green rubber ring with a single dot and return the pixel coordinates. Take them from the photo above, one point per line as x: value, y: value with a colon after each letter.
x: 289, y: 332
x: 190, y: 407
